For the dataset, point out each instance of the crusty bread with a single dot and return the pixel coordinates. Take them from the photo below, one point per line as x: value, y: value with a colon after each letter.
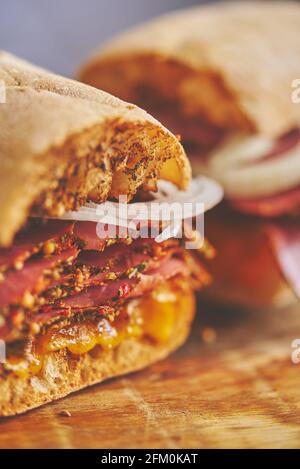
x: 64, y: 373
x: 57, y: 134
x: 233, y: 62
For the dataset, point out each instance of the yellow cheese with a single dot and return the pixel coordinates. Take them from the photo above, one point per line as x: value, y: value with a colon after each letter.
x: 152, y: 316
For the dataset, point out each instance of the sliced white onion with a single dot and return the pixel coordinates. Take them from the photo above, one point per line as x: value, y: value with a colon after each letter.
x: 255, y: 178
x: 239, y: 150
x: 201, y: 195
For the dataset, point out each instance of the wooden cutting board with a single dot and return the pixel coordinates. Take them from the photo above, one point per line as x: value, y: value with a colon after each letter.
x: 241, y: 390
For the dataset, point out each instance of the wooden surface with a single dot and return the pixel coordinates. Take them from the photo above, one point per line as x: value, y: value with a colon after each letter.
x: 240, y: 391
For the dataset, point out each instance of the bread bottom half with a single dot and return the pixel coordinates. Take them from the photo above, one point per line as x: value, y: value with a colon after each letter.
x: 64, y: 372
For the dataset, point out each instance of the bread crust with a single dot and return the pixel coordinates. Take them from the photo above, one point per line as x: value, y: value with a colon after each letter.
x: 49, y: 123
x: 64, y: 373
x: 234, y: 62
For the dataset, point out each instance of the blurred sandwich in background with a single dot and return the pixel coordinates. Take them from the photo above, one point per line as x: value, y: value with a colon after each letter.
x: 222, y: 77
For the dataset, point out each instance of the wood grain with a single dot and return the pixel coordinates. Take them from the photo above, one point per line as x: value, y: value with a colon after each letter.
x: 240, y: 391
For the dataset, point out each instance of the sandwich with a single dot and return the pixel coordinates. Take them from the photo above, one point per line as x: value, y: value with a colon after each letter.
x: 79, y: 302
x: 225, y: 77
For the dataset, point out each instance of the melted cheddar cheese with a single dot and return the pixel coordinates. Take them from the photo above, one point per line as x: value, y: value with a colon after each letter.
x: 151, y: 317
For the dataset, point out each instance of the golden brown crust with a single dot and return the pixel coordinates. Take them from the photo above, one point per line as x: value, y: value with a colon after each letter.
x: 64, y: 373
x: 62, y: 141
x: 234, y: 62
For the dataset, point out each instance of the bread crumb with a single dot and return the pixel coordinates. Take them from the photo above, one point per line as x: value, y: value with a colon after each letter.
x: 65, y: 413
x: 208, y: 335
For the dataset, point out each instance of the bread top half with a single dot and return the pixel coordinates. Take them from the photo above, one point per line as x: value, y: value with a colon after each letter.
x: 63, y: 143
x: 234, y: 62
